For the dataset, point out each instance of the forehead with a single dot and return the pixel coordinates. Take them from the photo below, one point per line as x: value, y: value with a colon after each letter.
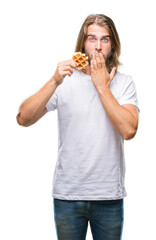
x: 97, y: 30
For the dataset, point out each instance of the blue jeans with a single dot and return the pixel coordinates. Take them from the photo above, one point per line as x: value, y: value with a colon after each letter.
x: 72, y: 217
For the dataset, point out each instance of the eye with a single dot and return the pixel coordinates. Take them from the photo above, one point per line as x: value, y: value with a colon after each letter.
x: 105, y: 40
x: 91, y: 39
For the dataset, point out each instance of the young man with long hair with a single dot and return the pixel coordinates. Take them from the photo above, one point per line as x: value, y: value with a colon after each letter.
x: 97, y: 110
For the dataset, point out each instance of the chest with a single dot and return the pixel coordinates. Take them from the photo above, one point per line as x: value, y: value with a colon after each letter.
x: 80, y: 99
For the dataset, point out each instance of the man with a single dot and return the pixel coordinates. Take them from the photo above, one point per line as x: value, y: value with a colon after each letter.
x: 97, y: 110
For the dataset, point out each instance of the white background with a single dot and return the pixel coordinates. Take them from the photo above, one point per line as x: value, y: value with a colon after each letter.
x: 35, y: 35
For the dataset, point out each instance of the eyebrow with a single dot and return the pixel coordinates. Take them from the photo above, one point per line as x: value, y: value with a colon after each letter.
x: 92, y: 35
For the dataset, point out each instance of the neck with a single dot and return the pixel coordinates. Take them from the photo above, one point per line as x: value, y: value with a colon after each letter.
x: 87, y: 70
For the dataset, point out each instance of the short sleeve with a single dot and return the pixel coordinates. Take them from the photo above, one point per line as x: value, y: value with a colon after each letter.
x: 128, y: 93
x: 52, y: 103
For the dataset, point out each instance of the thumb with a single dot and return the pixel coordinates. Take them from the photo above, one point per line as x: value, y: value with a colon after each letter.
x: 112, y: 73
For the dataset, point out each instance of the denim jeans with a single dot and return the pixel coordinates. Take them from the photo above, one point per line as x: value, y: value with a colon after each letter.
x: 72, y: 217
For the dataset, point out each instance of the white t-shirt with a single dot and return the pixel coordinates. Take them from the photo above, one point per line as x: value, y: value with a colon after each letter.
x: 90, y: 164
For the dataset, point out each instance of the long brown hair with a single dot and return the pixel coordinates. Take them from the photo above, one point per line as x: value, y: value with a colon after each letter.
x: 102, y: 20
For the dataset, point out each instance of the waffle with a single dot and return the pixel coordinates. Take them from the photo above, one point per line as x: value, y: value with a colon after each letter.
x: 81, y: 59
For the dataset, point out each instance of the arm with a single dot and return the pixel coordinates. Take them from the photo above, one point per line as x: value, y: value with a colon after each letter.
x: 33, y: 108
x: 124, y: 118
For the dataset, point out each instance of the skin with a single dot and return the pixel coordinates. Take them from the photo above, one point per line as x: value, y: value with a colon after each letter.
x: 98, y: 47
x: 98, y: 41
x: 33, y: 108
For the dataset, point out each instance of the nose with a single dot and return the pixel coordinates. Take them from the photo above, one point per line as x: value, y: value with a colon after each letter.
x: 98, y: 45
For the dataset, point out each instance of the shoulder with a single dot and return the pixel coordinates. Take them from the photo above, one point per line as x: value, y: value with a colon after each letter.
x: 122, y: 77
x: 121, y: 80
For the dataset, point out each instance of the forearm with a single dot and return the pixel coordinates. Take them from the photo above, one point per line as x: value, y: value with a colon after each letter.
x: 32, y: 108
x: 122, y: 119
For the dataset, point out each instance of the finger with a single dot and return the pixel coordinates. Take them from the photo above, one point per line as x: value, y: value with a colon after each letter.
x: 93, y: 61
x: 102, y: 59
x: 112, y: 73
x: 65, y: 73
x: 66, y: 68
x: 98, y: 60
x: 92, y: 65
x: 73, y: 64
x: 70, y: 63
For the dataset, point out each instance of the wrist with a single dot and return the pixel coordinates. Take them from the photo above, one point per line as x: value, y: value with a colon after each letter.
x: 53, y: 82
x: 103, y: 89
